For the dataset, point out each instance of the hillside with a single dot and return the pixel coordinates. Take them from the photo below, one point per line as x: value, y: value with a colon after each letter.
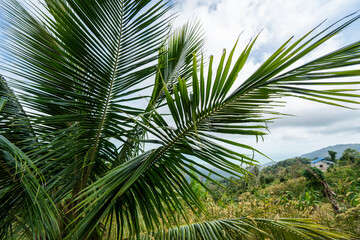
x: 323, y: 152
x: 262, y: 166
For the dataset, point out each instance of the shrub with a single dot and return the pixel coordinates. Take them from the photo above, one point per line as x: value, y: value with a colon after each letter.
x: 313, y: 180
x: 283, y: 179
x: 269, y: 179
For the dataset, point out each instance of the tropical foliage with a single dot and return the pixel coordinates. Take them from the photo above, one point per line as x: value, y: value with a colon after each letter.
x: 296, y: 197
x: 86, y: 152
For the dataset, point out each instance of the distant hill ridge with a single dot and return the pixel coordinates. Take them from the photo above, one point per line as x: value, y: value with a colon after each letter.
x: 323, y: 152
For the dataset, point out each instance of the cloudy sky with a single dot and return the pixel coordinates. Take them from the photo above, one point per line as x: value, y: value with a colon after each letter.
x: 315, y: 125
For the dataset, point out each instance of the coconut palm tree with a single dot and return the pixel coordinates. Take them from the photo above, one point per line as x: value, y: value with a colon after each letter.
x: 108, y: 109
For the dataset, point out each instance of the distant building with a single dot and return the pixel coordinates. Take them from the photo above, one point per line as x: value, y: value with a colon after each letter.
x: 321, y: 164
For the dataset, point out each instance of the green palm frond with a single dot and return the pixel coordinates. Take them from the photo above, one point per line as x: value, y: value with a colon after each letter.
x: 175, y: 57
x: 80, y: 71
x: 79, y: 74
x: 175, y: 60
x: 14, y: 124
x: 250, y: 228
x: 22, y: 195
x: 23, y: 198
x: 211, y: 108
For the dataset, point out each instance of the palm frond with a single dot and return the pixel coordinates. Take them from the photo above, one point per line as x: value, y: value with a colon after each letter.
x: 79, y: 71
x: 14, y: 124
x: 249, y: 228
x: 175, y: 60
x: 23, y: 198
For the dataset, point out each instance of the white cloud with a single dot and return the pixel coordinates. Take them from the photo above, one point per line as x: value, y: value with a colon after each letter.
x: 225, y: 20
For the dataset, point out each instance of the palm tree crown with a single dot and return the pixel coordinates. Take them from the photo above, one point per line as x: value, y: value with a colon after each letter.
x: 74, y: 126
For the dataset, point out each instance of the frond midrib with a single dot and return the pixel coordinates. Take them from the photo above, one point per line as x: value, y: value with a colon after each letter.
x: 106, y: 108
x: 190, y: 127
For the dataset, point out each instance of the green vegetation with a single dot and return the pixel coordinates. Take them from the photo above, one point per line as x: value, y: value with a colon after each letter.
x: 350, y: 156
x: 314, y: 175
x: 300, y: 195
x: 332, y: 155
x: 108, y: 107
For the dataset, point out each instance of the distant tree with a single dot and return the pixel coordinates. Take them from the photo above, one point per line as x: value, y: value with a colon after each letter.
x: 350, y: 156
x: 262, y: 179
x: 197, y: 184
x: 256, y: 172
x: 332, y: 155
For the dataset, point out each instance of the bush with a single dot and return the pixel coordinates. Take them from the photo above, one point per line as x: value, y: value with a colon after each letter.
x: 283, y: 179
x: 310, y: 176
x: 269, y: 179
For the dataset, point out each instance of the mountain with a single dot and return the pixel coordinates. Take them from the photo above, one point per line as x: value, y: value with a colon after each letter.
x: 267, y: 165
x: 212, y: 168
x: 323, y: 152
x: 225, y: 174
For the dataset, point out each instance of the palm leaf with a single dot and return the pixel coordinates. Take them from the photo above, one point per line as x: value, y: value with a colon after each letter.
x: 249, y: 228
x: 23, y: 198
x: 79, y: 76
x: 14, y: 123
x: 78, y: 85
x: 175, y: 60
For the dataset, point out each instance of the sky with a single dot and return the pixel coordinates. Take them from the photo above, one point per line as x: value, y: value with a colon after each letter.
x: 314, y: 125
